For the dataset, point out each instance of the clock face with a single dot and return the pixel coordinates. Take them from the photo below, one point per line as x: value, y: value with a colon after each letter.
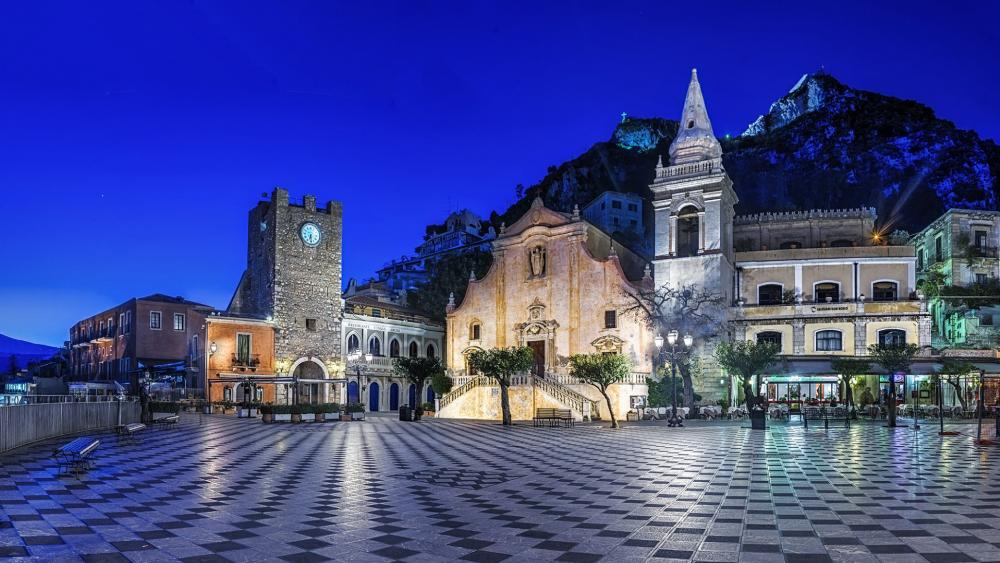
x: 310, y: 234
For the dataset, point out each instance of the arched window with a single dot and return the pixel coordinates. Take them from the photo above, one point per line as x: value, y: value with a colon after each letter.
x: 687, y: 232
x: 826, y: 292
x: 353, y: 343
x: 430, y: 350
x: 414, y: 349
x: 790, y: 245
x: 885, y: 291
x: 829, y: 341
x: 475, y: 331
x: 769, y: 294
x: 892, y: 337
x: 375, y: 346
x: 394, y: 348
x: 770, y: 337
x: 841, y: 243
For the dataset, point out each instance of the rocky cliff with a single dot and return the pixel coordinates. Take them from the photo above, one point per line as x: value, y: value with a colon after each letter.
x: 823, y: 145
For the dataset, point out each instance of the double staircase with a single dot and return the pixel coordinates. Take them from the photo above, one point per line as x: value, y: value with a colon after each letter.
x: 568, y: 397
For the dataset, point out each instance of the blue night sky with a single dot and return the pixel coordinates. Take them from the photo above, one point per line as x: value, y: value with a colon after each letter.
x: 136, y: 135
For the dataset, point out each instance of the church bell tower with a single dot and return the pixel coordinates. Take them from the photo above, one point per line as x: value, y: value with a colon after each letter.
x: 693, y: 202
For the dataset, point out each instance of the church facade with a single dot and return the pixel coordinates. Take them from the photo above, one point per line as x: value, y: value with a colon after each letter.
x: 560, y: 286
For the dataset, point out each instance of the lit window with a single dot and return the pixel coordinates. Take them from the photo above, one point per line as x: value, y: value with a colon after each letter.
x: 892, y: 338
x: 155, y: 320
x: 769, y: 294
x: 829, y: 341
x: 827, y: 292
x: 884, y: 291
x: 180, y: 322
x: 770, y: 337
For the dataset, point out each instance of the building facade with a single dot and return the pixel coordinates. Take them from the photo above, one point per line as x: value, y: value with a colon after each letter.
x: 239, y: 362
x: 560, y: 286
x: 616, y: 212
x: 156, y: 334
x: 463, y: 231
x: 386, y: 330
x: 818, y: 283
x: 293, y: 280
x: 960, y: 249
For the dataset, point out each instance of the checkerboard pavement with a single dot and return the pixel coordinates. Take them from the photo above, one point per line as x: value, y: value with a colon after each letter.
x: 225, y: 489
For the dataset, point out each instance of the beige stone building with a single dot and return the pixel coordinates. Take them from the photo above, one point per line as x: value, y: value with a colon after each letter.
x: 557, y: 285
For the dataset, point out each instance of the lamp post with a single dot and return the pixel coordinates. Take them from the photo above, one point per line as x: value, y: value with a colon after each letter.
x: 674, y: 420
x: 355, y: 358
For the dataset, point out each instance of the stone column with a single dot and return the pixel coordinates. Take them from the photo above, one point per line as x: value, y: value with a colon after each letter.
x: 860, y: 337
x: 701, y: 232
x: 798, y: 336
x: 673, y: 234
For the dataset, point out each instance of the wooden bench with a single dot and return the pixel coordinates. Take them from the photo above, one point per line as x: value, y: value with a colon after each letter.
x: 127, y: 432
x: 167, y: 421
x: 75, y: 456
x: 555, y: 417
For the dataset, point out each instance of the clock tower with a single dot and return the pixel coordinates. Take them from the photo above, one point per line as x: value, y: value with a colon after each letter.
x: 293, y: 278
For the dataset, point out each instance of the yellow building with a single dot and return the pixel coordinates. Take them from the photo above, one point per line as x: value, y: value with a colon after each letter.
x: 557, y: 285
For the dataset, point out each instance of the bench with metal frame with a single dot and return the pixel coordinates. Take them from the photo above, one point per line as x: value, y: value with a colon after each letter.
x: 555, y: 417
x: 167, y: 421
x: 127, y: 433
x: 75, y: 456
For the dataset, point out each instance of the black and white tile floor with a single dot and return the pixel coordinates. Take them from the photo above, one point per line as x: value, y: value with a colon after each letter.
x: 222, y: 489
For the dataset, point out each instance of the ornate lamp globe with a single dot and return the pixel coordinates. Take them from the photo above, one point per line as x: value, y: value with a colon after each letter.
x: 688, y: 340
x: 368, y: 357
x: 658, y: 340
x: 672, y: 337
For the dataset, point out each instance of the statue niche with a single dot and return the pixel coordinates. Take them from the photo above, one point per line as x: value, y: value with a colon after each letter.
x: 536, y: 262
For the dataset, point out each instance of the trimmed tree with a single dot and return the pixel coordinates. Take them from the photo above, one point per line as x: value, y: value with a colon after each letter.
x: 499, y: 364
x: 893, y: 359
x: 747, y: 360
x: 951, y: 372
x: 848, y: 369
x: 601, y: 371
x: 417, y: 371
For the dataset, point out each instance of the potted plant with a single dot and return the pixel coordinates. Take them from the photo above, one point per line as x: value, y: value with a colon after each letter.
x: 267, y: 413
x: 428, y: 409
x: 308, y: 413
x: 327, y: 411
x: 282, y: 413
x: 357, y: 411
x: 345, y: 413
x: 296, y: 411
x: 228, y: 407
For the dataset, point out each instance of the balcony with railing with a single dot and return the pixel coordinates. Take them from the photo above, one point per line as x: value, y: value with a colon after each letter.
x: 243, y: 364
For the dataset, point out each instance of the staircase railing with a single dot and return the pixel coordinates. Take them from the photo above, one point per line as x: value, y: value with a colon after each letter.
x: 457, y: 392
x: 567, y: 396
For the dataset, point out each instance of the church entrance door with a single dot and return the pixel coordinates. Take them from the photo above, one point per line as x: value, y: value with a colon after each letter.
x: 538, y: 348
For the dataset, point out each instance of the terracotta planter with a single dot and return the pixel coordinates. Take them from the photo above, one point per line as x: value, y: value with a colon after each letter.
x: 296, y: 417
x: 345, y: 417
x: 318, y: 417
x: 267, y: 418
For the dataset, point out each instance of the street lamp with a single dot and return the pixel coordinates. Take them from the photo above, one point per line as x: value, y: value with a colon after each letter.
x: 672, y: 341
x: 355, y: 358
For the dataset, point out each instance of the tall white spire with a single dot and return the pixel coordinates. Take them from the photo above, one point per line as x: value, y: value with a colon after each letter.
x: 695, y: 140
